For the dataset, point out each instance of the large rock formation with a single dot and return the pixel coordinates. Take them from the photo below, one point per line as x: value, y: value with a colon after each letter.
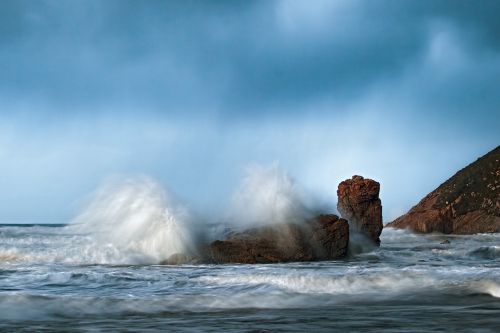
x: 359, y: 203
x: 325, y: 237
x: 468, y: 202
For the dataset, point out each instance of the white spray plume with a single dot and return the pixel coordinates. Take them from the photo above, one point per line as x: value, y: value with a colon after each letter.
x: 267, y: 195
x: 138, y: 219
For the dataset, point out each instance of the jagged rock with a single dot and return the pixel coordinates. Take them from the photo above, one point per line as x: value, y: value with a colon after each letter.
x: 325, y: 237
x: 467, y: 203
x: 359, y: 203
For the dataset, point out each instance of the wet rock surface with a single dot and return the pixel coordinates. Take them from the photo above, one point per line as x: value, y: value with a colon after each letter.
x: 322, y: 238
x: 359, y: 203
x: 467, y: 203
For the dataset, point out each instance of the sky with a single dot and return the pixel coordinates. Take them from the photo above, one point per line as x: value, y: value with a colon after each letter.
x: 192, y: 93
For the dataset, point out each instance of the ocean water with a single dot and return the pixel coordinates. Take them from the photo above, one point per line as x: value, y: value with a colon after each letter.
x: 60, y: 278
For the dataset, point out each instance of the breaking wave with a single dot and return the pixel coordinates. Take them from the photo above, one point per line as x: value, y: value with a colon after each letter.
x: 138, y: 220
x: 486, y: 252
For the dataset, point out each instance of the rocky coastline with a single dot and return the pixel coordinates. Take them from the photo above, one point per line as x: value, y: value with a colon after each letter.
x: 467, y: 203
x: 324, y: 237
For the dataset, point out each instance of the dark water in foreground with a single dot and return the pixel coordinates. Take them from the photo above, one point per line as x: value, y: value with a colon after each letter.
x: 52, y: 279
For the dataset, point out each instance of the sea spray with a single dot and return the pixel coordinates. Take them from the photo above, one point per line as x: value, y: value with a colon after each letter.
x: 138, y: 220
x: 267, y: 196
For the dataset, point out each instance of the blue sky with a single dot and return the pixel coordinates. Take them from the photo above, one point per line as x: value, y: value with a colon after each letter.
x: 192, y: 92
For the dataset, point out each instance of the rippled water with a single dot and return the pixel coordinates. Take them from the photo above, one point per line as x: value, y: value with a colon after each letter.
x: 52, y: 278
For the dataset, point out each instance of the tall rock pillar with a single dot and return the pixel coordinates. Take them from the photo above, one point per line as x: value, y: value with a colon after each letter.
x: 359, y: 203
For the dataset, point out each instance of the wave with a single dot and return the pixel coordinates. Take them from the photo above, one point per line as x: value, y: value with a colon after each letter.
x: 137, y: 220
x: 239, y: 287
x: 313, y: 283
x: 486, y: 252
x: 489, y: 287
x: 9, y: 256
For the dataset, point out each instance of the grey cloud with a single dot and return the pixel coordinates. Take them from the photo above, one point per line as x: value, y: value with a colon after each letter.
x: 191, y: 91
x: 232, y: 56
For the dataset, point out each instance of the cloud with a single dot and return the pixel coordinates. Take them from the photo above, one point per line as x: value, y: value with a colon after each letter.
x: 191, y: 92
x: 228, y: 56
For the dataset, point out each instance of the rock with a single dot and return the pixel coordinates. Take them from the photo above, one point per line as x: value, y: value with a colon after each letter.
x: 177, y: 259
x: 359, y: 203
x: 446, y: 241
x: 467, y: 203
x: 329, y: 237
x: 322, y: 238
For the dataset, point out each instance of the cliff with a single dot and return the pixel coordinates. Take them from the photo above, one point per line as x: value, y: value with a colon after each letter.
x: 467, y: 203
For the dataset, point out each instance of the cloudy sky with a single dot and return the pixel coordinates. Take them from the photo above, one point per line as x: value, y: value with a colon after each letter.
x: 192, y: 92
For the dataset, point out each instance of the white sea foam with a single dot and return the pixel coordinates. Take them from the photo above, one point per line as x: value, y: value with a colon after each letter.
x: 489, y: 287
x: 313, y: 283
x: 10, y: 255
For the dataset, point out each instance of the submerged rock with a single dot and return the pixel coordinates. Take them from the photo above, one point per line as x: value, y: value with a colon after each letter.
x: 467, y: 203
x: 359, y: 203
x: 325, y: 237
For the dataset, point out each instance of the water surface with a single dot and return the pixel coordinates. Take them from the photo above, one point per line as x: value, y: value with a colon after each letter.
x: 54, y: 279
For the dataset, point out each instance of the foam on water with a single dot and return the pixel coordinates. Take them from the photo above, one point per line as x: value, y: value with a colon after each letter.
x: 347, y: 283
x: 45, y: 278
x: 10, y: 255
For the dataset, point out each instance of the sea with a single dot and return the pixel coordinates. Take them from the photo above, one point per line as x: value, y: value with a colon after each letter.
x: 58, y: 278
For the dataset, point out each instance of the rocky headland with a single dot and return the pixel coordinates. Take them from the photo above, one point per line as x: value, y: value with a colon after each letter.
x: 467, y: 203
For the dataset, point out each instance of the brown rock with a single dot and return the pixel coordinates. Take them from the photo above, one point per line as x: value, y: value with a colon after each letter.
x: 325, y: 237
x: 359, y: 203
x: 329, y: 237
x: 177, y: 259
x: 467, y: 203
